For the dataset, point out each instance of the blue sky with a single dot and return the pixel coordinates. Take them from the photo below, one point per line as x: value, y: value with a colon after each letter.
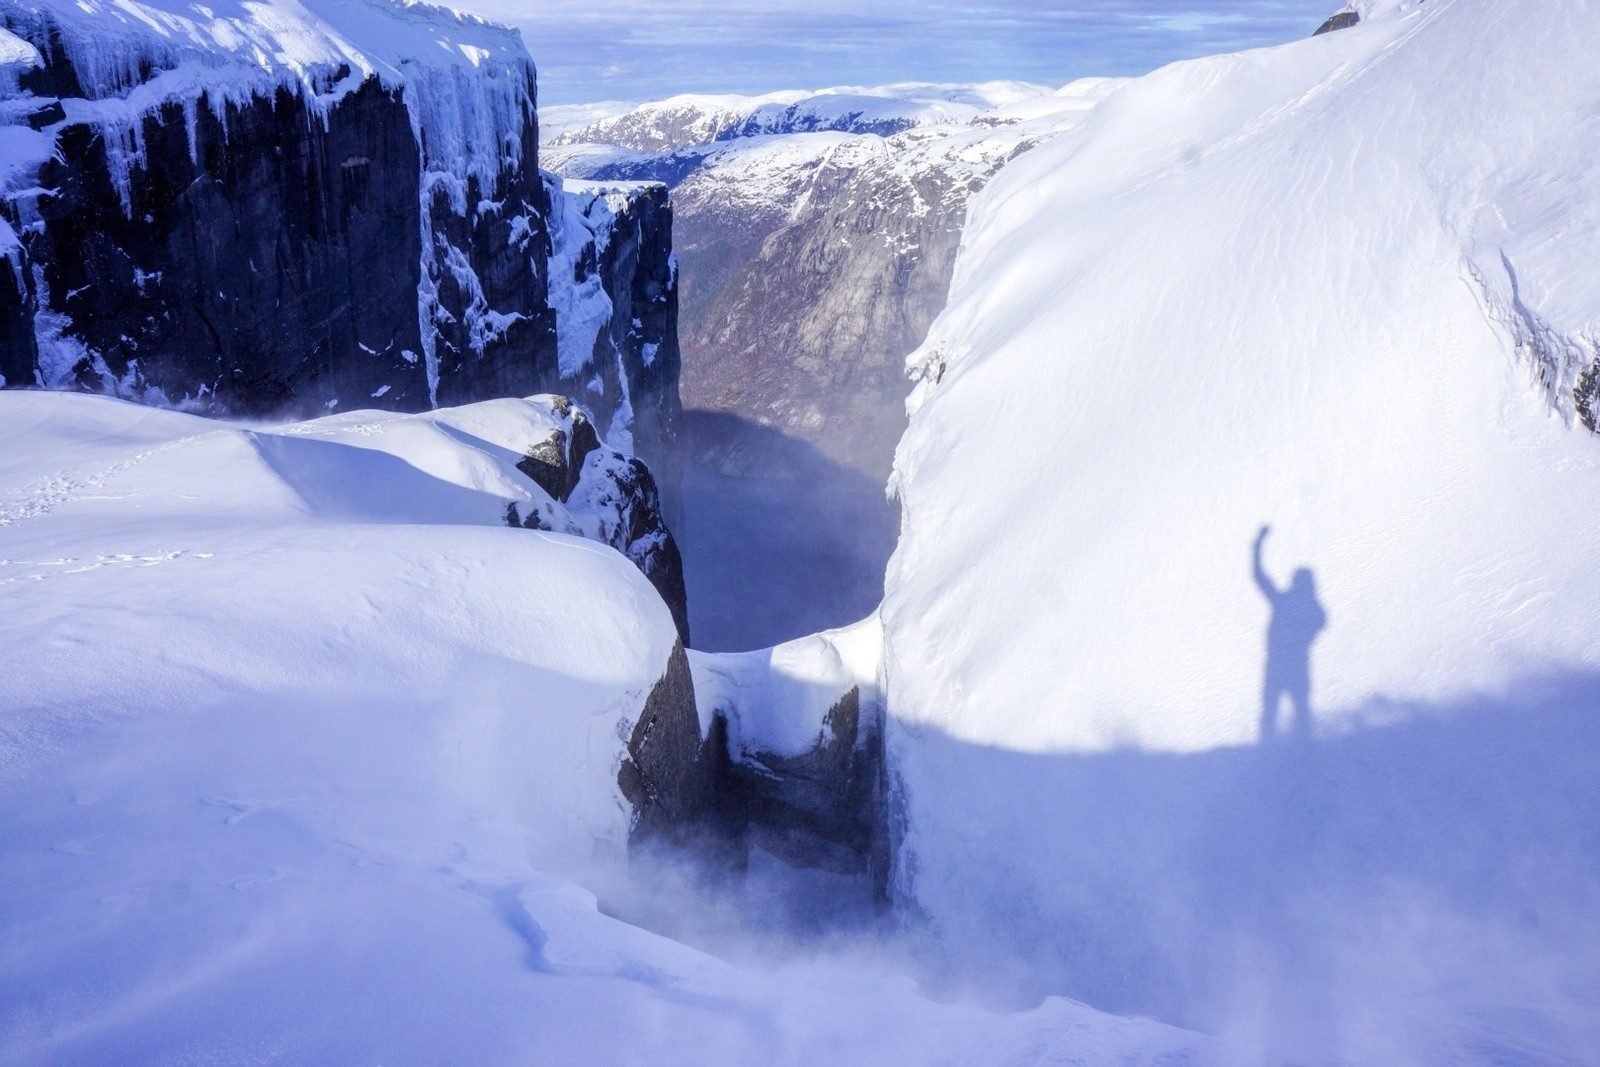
x: 590, y: 50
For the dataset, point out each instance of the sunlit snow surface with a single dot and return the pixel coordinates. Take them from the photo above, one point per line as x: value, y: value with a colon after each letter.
x: 304, y: 756
x: 1343, y: 287
x: 776, y: 700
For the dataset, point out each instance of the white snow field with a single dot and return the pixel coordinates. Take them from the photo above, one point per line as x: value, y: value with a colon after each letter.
x: 700, y: 118
x: 305, y: 756
x: 1344, y: 287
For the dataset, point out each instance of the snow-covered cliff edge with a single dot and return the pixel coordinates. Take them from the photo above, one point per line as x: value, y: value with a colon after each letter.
x: 1343, y: 287
x: 296, y: 207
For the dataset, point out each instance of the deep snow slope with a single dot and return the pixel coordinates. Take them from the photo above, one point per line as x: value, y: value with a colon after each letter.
x: 1343, y: 287
x: 304, y: 754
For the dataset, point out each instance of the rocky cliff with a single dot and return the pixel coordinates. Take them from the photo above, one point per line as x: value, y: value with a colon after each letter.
x: 817, y: 235
x: 797, y: 738
x: 817, y: 245
x: 357, y: 221
x: 606, y: 495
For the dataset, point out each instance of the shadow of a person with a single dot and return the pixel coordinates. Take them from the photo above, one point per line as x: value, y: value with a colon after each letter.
x: 1297, y: 618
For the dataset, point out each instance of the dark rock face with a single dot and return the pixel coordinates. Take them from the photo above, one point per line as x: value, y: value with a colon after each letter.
x: 274, y: 255
x: 669, y: 776
x: 1342, y: 21
x: 1586, y: 398
x: 556, y: 463
x: 845, y: 288
x: 622, y: 492
x: 17, y: 352
x: 826, y: 808
x: 273, y: 269
x: 609, y: 497
x: 636, y: 357
x: 802, y: 300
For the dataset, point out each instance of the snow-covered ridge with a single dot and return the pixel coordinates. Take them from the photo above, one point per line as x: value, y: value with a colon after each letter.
x: 467, y: 82
x: 683, y: 121
x: 209, y: 499
x: 768, y: 167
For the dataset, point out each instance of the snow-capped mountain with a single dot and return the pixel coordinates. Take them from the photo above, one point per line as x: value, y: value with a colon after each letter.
x: 297, y: 207
x: 812, y: 263
x: 694, y: 119
x: 816, y: 234
x: 1341, y: 288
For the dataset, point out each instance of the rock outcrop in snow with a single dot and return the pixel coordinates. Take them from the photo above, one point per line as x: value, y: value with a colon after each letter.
x: 593, y: 490
x: 295, y: 208
x: 802, y: 773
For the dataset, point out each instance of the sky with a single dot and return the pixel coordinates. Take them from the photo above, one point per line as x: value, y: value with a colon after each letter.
x: 593, y: 50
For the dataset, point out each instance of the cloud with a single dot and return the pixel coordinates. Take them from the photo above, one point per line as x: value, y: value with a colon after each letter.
x: 626, y: 49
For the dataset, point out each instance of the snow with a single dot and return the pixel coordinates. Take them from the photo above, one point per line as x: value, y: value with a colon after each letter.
x: 766, y: 173
x: 556, y: 119
x: 687, y: 119
x: 467, y: 82
x: 776, y: 700
x: 304, y: 755
x: 15, y: 52
x: 692, y: 119
x: 1341, y: 287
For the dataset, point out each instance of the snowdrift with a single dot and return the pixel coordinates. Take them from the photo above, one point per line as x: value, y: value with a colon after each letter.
x: 304, y: 754
x: 1341, y: 287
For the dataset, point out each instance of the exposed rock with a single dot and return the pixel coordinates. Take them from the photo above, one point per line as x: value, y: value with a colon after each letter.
x: 17, y: 352
x: 1343, y: 20
x: 802, y: 727
x: 635, y: 357
x: 621, y: 494
x: 814, y: 262
x: 272, y: 268
x: 546, y: 463
x: 603, y: 494
x: 556, y: 463
x: 1586, y: 398
x: 825, y: 808
x: 669, y: 776
x: 271, y: 240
